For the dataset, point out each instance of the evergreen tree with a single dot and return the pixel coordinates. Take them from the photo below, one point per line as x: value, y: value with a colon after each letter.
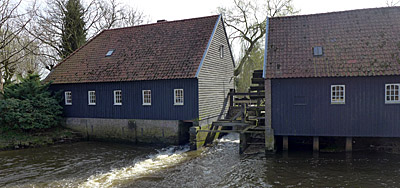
x: 29, y: 106
x: 73, y: 34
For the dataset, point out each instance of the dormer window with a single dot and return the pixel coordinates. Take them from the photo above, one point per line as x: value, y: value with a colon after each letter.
x: 318, y: 51
x: 110, y: 52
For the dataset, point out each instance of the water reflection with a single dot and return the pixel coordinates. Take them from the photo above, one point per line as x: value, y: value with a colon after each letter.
x: 94, y: 164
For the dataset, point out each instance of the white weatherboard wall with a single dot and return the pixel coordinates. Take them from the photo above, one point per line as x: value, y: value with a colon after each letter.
x: 215, y: 76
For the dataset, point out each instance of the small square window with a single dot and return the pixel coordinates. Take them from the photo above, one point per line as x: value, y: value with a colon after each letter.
x: 68, y: 98
x: 337, y: 94
x: 178, y: 97
x: 221, y: 51
x: 92, y: 97
x: 117, y: 97
x: 392, y: 93
x: 110, y: 52
x: 318, y: 51
x: 146, y: 97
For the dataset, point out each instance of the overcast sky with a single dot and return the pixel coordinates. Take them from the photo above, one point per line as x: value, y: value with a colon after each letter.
x: 182, y: 9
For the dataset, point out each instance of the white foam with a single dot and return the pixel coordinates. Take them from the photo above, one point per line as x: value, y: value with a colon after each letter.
x: 230, y: 138
x: 163, y: 159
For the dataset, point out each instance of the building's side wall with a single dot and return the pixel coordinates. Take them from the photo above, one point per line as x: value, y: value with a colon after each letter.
x: 162, y: 100
x: 215, y: 76
x: 364, y: 113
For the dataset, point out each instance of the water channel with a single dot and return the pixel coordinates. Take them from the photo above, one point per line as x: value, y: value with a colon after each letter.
x: 97, y: 164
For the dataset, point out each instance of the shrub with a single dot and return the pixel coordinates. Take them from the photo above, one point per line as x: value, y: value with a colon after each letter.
x: 29, y: 106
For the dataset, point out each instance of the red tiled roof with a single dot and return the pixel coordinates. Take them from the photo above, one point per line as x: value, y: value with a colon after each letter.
x: 165, y: 50
x: 362, y: 42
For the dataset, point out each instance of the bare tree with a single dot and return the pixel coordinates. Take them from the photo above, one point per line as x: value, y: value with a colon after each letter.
x: 17, y: 57
x: 246, y: 20
x: 392, y: 3
x: 98, y: 15
x: 111, y: 14
x: 13, y: 47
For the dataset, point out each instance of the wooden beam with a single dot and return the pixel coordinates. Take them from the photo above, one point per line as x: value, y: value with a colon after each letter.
x: 230, y: 124
x: 245, y: 101
x: 269, y: 132
x: 255, y: 118
x: 249, y: 127
x: 316, y: 143
x: 219, y: 131
x: 349, y: 144
x: 257, y: 80
x: 262, y: 108
x: 243, y: 143
x: 257, y: 88
x: 252, y: 131
x: 285, y: 143
x: 231, y: 97
x: 248, y: 94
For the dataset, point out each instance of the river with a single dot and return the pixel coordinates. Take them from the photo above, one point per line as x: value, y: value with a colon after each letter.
x: 97, y: 164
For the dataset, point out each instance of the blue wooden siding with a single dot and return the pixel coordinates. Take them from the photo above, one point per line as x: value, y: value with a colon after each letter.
x: 302, y: 107
x: 162, y: 100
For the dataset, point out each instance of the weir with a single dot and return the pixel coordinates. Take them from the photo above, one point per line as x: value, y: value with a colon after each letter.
x: 246, y: 116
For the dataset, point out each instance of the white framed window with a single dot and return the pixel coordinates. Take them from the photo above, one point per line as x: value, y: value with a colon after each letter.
x: 117, y: 97
x: 92, y: 97
x: 146, y: 97
x: 68, y: 97
x: 338, y: 95
x: 392, y: 93
x: 178, y: 97
x: 221, y: 51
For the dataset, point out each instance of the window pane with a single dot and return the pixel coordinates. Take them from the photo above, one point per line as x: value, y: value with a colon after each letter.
x: 178, y: 96
x: 118, y: 97
x: 147, y: 97
x: 337, y: 93
x: 68, y: 97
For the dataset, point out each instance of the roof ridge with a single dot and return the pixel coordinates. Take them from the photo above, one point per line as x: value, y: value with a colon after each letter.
x: 336, y: 12
x: 165, y: 22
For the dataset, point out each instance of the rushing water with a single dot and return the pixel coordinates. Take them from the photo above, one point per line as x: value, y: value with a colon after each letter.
x: 93, y: 164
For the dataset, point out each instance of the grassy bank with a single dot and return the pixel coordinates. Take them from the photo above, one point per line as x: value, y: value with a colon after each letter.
x: 10, y: 140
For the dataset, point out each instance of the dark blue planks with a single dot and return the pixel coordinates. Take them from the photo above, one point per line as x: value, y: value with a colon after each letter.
x: 162, y: 100
x: 364, y: 114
